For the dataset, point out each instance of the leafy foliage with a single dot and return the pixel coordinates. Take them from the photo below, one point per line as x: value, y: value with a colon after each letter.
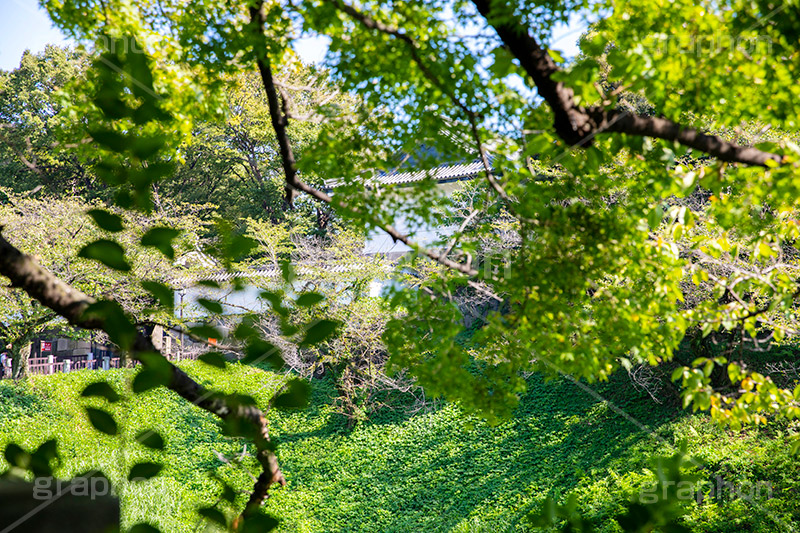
x: 615, y: 244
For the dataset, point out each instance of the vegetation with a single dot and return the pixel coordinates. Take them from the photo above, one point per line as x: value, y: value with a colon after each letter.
x: 637, y: 218
x: 439, y: 469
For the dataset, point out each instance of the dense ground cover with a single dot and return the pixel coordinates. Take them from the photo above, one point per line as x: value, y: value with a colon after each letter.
x: 435, y: 470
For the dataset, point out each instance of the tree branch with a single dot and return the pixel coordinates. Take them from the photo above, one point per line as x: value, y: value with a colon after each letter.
x: 293, y: 183
x: 578, y: 125
x: 71, y: 304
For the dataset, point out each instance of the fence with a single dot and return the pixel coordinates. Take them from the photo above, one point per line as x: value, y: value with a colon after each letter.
x: 48, y: 365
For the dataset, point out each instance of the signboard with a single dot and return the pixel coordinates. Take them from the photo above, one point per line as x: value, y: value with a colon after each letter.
x: 47, y: 346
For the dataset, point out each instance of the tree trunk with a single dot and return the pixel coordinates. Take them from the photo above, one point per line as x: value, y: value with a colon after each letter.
x: 20, y: 352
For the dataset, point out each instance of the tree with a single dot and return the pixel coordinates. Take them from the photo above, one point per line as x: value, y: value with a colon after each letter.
x: 34, y: 152
x: 58, y: 229
x: 234, y: 162
x: 336, y: 272
x: 594, y: 284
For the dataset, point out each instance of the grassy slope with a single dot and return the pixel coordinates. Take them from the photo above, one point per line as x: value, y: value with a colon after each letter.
x: 434, y: 471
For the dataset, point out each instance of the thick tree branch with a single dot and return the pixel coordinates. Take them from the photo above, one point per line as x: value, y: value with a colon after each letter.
x: 624, y: 122
x: 72, y: 304
x: 293, y: 183
x: 578, y: 125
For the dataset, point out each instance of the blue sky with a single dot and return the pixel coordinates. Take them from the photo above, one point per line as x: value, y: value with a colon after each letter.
x: 24, y: 25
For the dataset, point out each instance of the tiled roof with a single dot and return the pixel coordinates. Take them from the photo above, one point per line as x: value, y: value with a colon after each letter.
x: 270, y: 272
x: 440, y: 174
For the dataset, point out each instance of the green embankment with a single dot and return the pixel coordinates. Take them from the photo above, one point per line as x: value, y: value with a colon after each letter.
x: 436, y: 470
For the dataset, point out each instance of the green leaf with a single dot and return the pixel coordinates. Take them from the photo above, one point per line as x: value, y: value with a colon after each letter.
x: 102, y: 389
x: 165, y: 295
x: 287, y: 271
x: 319, y: 331
x: 261, y: 351
x: 16, y: 456
x: 144, y: 470
x: 211, y: 306
x: 146, y: 147
x: 556, y: 55
x: 151, y: 439
x: 205, y: 331
x: 143, y: 528
x: 309, y: 298
x: 239, y: 245
x: 258, y: 523
x: 102, y: 421
x: 276, y: 301
x: 295, y: 397
x: 655, y: 216
x: 215, y: 515
x: 42, y: 457
x: 120, y: 329
x: 107, y: 252
x: 213, y: 358
x: 110, y: 139
x: 503, y: 61
x: 149, y: 378
x: 245, y: 330
x: 161, y: 238
x: 105, y: 220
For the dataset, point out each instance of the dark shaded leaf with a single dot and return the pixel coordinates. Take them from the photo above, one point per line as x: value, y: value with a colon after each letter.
x: 239, y: 427
x: 145, y: 147
x: 143, y: 528
x: 204, y: 331
x: 239, y: 246
x: 296, y: 395
x: 161, y: 238
x: 149, y: 378
x: 151, y: 439
x: 276, y: 300
x: 215, y: 515
x: 110, y: 139
x: 309, y: 298
x: 258, y: 523
x: 16, y: 456
x: 106, y: 220
x: 228, y: 493
x: 260, y: 351
x: 102, y: 421
x: 144, y: 470
x: 319, y: 331
x: 213, y: 358
x: 42, y: 457
x: 102, y: 389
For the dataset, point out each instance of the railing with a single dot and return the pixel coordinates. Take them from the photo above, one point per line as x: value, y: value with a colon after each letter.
x: 48, y: 365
